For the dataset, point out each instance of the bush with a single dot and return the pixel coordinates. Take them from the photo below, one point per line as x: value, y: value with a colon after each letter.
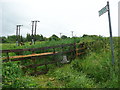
x: 80, y: 81
x: 13, y: 77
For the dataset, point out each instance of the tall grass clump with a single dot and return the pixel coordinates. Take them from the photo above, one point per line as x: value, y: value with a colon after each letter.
x: 94, y: 70
x: 13, y: 77
x: 97, y: 64
x: 71, y: 78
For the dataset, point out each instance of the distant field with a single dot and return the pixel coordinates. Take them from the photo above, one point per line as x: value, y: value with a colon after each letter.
x: 48, y: 43
x: 6, y: 46
x: 38, y: 44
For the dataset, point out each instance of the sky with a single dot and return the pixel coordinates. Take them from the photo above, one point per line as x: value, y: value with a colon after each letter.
x: 58, y: 16
x: 119, y: 18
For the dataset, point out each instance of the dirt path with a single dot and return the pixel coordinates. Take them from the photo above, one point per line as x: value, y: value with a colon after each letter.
x: 45, y: 81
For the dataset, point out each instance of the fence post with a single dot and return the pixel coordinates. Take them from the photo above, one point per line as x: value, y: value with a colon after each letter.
x: 74, y: 50
x: 8, y: 56
x: 82, y: 50
x: 34, y: 60
x: 77, y: 50
x: 62, y: 49
x: 53, y: 50
x: 46, y: 67
x: 54, y: 56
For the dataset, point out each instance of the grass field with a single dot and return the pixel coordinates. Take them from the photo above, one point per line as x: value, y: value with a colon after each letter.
x: 39, y: 44
x: 93, y: 70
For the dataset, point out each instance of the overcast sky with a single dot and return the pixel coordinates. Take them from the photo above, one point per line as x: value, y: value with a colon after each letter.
x: 58, y: 16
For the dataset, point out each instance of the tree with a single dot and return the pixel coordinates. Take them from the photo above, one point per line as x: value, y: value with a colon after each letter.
x: 21, y: 39
x: 11, y: 38
x: 28, y: 38
x: 54, y: 37
x: 3, y: 39
x: 39, y: 37
x: 85, y: 35
x: 63, y: 37
x: 45, y: 38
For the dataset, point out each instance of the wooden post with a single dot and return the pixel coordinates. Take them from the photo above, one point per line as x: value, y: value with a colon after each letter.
x: 34, y: 61
x: 54, y: 56
x: 77, y: 51
x: 62, y: 48
x: 17, y: 35
x: 74, y: 50
x: 32, y: 41
x: 46, y: 67
x: 8, y: 56
x: 53, y: 50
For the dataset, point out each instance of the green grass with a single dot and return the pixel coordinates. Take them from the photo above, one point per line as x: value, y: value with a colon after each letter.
x: 39, y: 44
x: 93, y: 70
x: 7, y: 46
x: 71, y: 78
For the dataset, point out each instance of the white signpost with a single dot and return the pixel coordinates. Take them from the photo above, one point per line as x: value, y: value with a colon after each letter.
x: 101, y: 12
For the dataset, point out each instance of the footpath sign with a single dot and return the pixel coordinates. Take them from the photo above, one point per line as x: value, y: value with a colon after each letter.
x: 101, y: 12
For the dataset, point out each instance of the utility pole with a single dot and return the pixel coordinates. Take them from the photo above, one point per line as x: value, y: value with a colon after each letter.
x: 72, y: 33
x: 18, y: 34
x: 32, y: 32
x: 35, y: 30
x: 60, y: 35
x: 34, y: 24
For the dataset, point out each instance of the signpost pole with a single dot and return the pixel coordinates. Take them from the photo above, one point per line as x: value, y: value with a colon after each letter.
x: 111, y: 41
x: 101, y: 12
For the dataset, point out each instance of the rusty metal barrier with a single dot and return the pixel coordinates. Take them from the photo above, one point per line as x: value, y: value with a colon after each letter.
x: 34, y: 55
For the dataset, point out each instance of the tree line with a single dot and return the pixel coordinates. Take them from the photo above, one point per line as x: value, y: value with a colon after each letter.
x: 28, y: 38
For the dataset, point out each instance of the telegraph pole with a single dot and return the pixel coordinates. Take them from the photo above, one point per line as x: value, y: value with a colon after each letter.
x: 35, y: 30
x: 19, y: 33
x: 32, y: 32
x: 72, y: 33
x: 34, y: 26
x: 16, y: 35
x: 60, y: 35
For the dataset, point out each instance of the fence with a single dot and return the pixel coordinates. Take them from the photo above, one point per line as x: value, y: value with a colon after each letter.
x: 75, y: 49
